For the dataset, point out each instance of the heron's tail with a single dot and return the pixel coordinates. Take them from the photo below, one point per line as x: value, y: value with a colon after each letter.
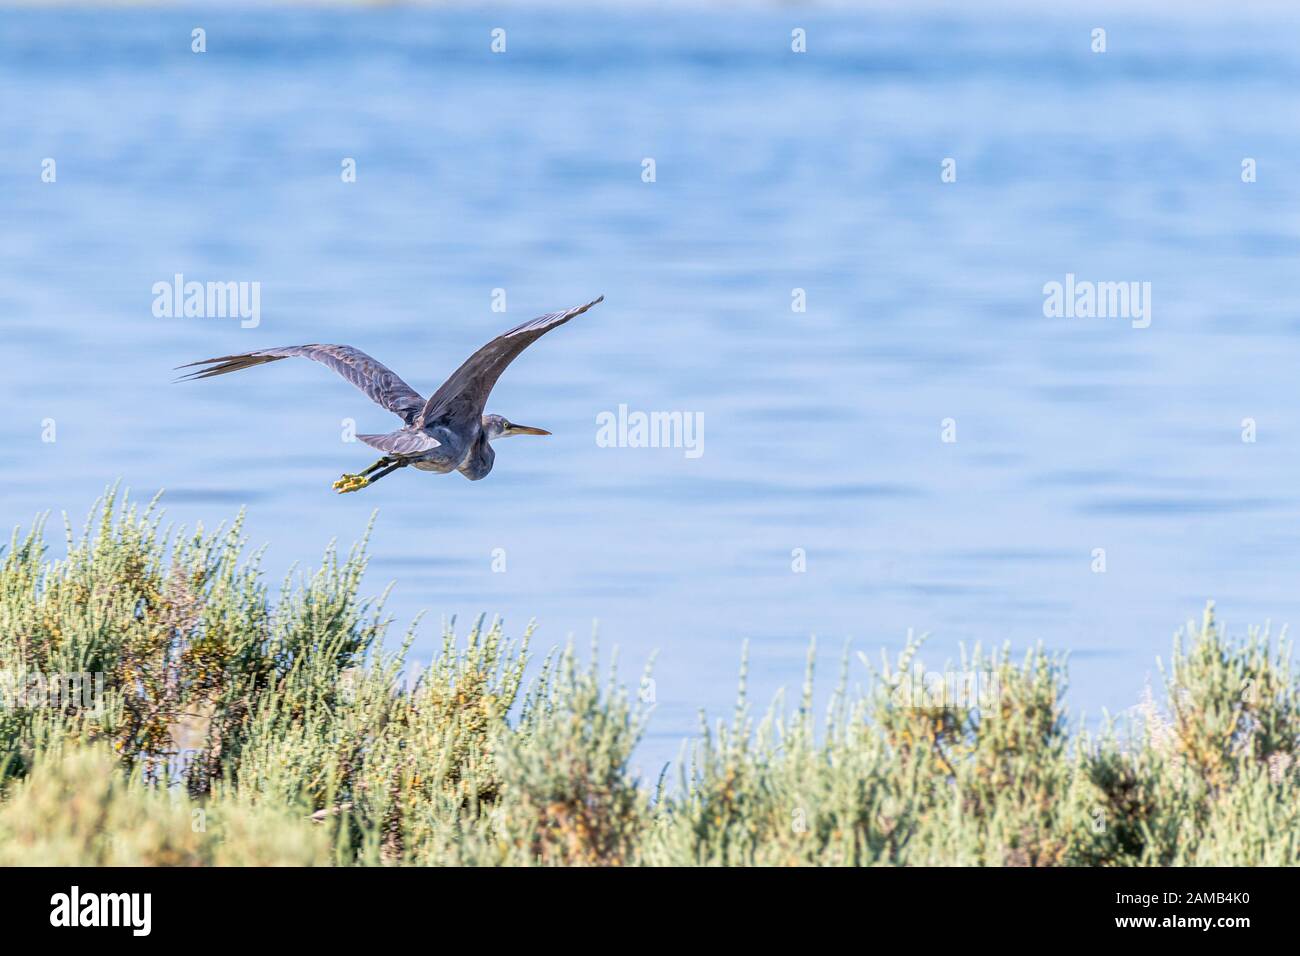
x: 404, y: 441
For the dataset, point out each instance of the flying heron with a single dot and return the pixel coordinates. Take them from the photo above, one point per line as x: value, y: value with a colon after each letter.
x: 449, y: 431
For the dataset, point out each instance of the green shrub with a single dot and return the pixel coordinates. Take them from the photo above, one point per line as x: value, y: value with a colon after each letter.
x: 292, y: 736
x: 78, y: 807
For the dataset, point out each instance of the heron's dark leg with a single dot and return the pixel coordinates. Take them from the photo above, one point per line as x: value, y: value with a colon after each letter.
x: 357, y: 482
x: 352, y: 482
x: 397, y: 463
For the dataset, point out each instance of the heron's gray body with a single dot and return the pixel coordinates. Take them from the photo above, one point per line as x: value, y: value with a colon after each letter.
x: 447, y: 432
x: 431, y: 448
x: 471, y: 455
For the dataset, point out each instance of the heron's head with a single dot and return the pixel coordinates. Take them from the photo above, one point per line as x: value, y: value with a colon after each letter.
x: 494, y: 426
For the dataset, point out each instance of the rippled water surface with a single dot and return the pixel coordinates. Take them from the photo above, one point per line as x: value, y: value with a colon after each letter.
x: 775, y: 171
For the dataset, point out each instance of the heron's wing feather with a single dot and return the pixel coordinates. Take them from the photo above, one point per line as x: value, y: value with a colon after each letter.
x: 461, y: 399
x: 380, y: 383
x: 402, y: 442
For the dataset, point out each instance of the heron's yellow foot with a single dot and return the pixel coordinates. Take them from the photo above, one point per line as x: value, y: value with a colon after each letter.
x: 348, y: 483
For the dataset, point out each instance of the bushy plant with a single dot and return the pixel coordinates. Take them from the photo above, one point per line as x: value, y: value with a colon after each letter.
x: 78, y: 807
x: 292, y: 735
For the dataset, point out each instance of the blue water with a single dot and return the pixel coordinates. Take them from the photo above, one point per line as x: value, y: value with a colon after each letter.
x: 775, y: 171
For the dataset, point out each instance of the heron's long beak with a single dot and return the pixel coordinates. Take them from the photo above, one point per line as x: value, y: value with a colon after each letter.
x: 527, y: 430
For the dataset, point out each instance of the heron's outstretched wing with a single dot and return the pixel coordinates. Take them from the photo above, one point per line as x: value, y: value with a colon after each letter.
x: 461, y: 399
x: 380, y: 383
